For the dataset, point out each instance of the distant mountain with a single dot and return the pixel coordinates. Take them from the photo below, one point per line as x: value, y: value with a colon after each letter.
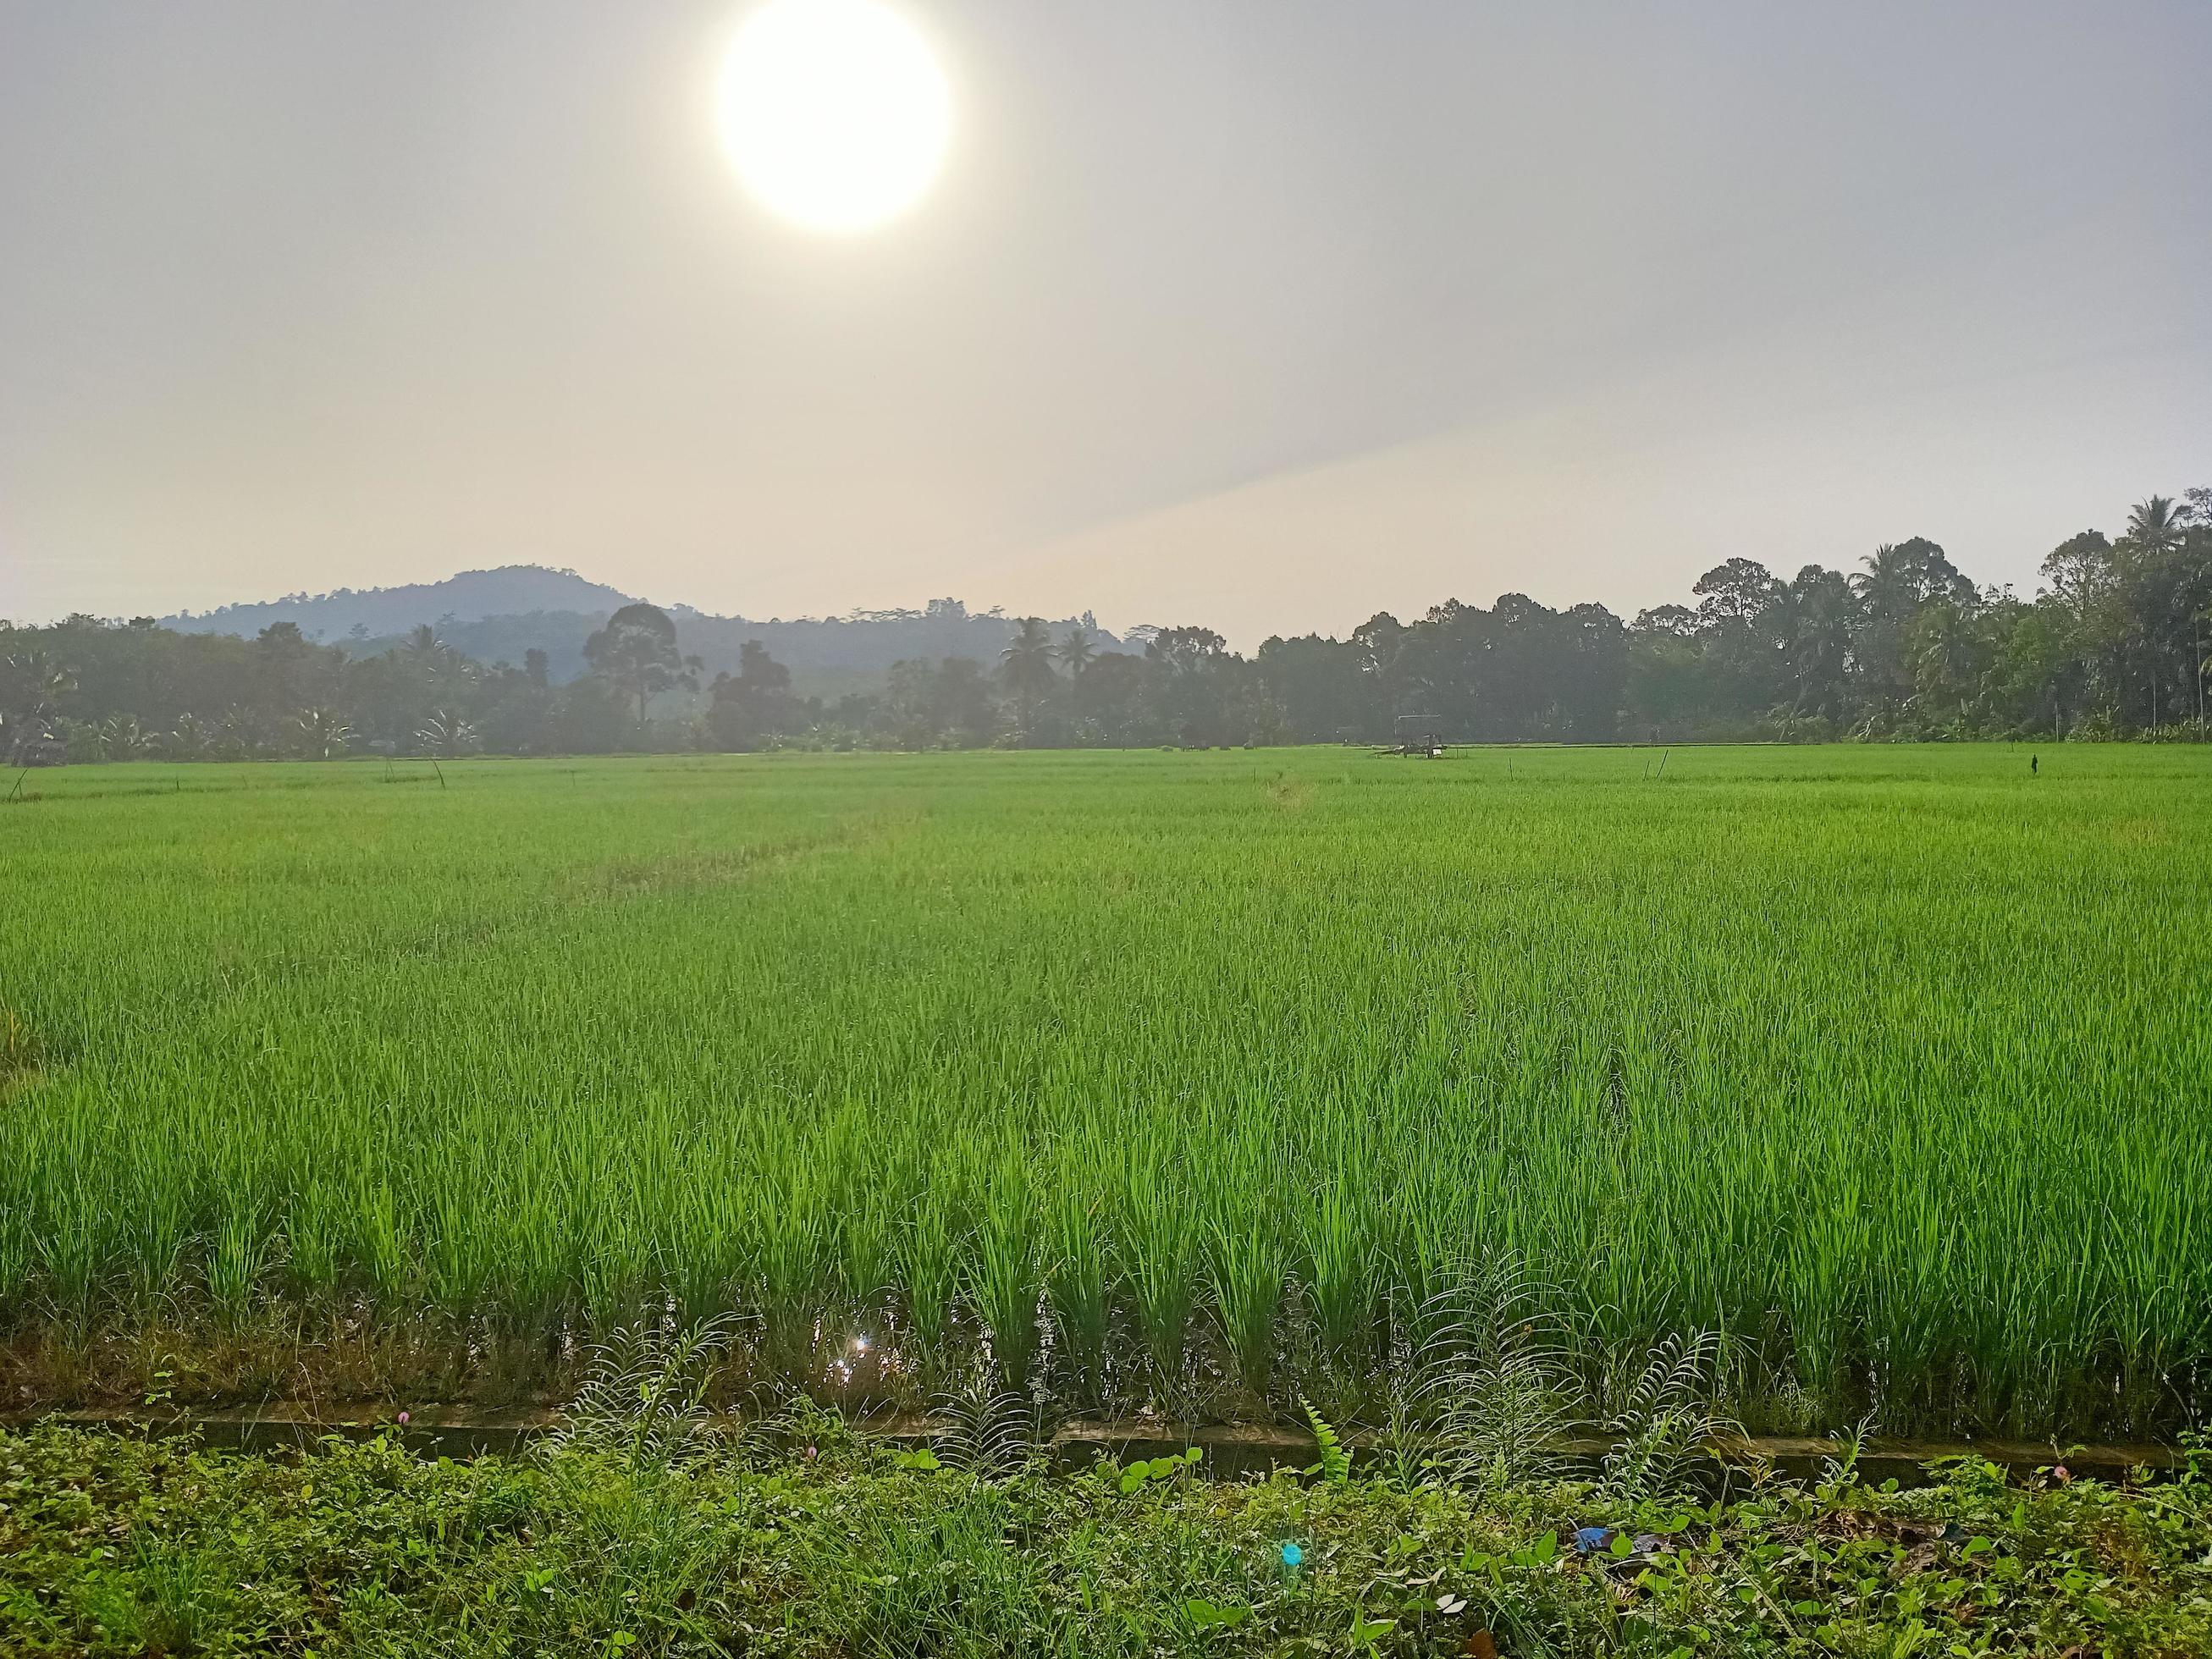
x: 513, y: 590
x: 496, y: 616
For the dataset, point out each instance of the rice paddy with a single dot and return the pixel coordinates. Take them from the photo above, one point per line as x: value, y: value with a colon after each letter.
x: 1178, y: 1078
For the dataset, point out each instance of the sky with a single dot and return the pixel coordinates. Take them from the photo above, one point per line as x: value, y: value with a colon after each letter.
x: 1266, y: 314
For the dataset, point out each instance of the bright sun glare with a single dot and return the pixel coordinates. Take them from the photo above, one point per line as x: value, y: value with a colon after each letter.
x: 834, y: 112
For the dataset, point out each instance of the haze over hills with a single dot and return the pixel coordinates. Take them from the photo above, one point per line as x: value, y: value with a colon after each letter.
x: 470, y: 596
x: 496, y: 616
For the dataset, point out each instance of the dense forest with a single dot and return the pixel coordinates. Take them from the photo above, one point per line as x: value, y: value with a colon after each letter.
x: 2115, y: 644
x: 502, y: 615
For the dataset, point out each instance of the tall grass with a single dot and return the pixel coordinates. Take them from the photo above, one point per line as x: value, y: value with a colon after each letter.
x: 1894, y: 1064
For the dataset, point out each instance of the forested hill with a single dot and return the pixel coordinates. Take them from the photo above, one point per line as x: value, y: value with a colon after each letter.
x: 500, y: 615
x: 827, y: 656
x: 2116, y: 643
x: 513, y: 590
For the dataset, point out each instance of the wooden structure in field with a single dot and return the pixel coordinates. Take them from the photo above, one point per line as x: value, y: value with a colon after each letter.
x: 1417, y: 737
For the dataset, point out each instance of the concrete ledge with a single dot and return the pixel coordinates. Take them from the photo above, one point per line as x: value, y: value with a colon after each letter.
x: 1232, y: 1448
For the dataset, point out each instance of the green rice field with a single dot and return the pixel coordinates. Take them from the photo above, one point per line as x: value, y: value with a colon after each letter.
x: 1140, y: 1077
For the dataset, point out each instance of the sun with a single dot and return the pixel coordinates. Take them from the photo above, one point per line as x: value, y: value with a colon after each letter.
x: 834, y: 112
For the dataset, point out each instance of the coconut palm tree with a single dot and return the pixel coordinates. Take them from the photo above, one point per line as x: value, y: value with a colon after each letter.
x: 323, y: 733
x: 120, y: 738
x: 2154, y: 526
x: 1076, y: 651
x: 433, y: 664
x: 446, y: 734
x: 1027, y: 660
x: 42, y: 683
x: 1885, y: 587
x: 239, y: 737
x: 31, y: 687
x: 2158, y: 595
x: 1899, y: 578
x: 190, y: 740
x: 1944, y: 654
x: 1026, y: 667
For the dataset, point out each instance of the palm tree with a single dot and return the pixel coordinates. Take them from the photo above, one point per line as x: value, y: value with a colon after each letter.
x: 120, y: 739
x: 2154, y: 526
x: 1026, y: 665
x: 1944, y: 654
x: 446, y: 734
x: 1076, y: 651
x: 1888, y: 592
x: 31, y: 686
x: 323, y: 733
x: 433, y: 662
x: 1027, y: 659
x: 1884, y: 585
x: 190, y: 740
x: 1816, y: 638
x: 2156, y: 587
x: 45, y: 682
x: 239, y: 737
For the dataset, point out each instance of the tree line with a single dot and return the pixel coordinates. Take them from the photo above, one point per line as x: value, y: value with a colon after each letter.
x: 2117, y: 643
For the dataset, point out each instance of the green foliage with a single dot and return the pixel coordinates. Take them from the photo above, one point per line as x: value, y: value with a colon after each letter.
x: 1905, y: 646
x: 637, y: 651
x: 644, y: 1397
x: 1207, y: 1616
x: 1491, y: 1392
x: 1664, y: 1418
x: 1190, y: 1080
x: 1336, y: 1465
x: 1131, y: 1479
x: 116, y: 1546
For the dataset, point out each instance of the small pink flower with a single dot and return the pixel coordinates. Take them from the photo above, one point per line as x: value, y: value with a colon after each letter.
x: 403, y: 1419
x: 2060, y: 1475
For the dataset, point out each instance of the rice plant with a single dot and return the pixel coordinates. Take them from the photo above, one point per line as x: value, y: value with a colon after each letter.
x: 1889, y: 1064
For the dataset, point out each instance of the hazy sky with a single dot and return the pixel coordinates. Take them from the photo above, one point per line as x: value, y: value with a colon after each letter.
x: 1260, y: 313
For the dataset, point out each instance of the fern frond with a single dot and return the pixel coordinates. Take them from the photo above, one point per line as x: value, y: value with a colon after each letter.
x: 990, y: 1432
x: 1491, y: 1389
x: 1667, y: 1415
x: 644, y: 1393
x: 1336, y: 1465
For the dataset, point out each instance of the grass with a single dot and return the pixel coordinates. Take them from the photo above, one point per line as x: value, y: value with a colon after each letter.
x: 1141, y: 1077
x: 114, y: 1546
